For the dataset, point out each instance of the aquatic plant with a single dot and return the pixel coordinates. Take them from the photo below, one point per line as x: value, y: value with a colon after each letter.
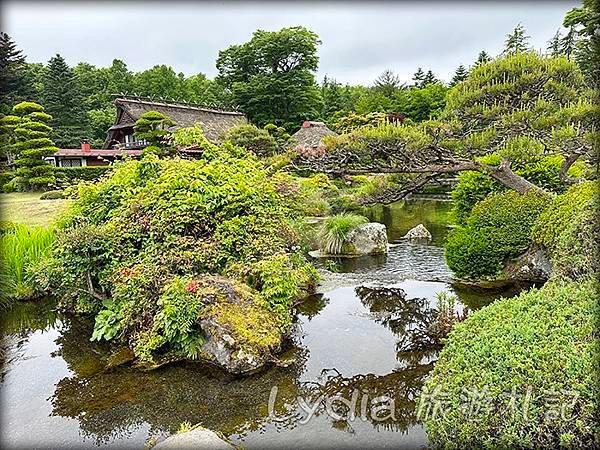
x: 335, y: 230
x: 22, y: 248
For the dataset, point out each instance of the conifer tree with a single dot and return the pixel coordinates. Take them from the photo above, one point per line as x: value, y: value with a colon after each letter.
x: 153, y: 127
x: 516, y: 41
x: 387, y: 83
x: 64, y: 101
x: 12, y: 73
x: 482, y: 58
x: 429, y: 78
x: 460, y: 75
x: 418, y: 78
x: 568, y: 43
x: 31, y: 145
x: 555, y: 44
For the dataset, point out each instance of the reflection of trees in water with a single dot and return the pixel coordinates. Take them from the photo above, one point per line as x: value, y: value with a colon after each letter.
x: 410, y: 319
x: 110, y: 403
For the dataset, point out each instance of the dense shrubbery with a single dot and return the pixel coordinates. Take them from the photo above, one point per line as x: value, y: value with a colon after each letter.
x: 542, y: 342
x: 568, y: 229
x: 498, y: 228
x: 154, y: 225
x: 71, y: 175
x: 252, y: 138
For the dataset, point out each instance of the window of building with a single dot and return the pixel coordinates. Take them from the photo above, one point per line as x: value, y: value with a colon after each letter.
x: 70, y: 162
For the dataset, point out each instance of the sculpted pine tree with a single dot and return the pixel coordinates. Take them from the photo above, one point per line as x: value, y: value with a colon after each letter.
x: 544, y: 107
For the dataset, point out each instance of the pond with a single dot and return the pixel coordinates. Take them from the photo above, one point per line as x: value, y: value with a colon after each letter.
x: 356, y: 348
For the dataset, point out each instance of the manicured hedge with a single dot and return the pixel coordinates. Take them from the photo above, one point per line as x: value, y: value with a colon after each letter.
x: 498, y: 228
x: 72, y: 175
x: 538, y: 348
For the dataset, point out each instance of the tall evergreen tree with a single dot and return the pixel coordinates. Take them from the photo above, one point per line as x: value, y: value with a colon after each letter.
x: 387, y: 83
x: 418, y: 78
x: 585, y: 22
x: 12, y: 73
x: 64, y: 102
x: 460, y: 75
x: 429, y: 78
x: 555, y: 44
x: 482, y: 58
x: 516, y: 41
x: 568, y: 43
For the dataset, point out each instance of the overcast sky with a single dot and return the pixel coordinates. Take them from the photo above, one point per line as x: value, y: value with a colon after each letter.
x: 360, y: 40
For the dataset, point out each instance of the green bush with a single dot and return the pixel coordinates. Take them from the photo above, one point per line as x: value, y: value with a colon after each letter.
x: 52, y: 195
x: 542, y: 343
x: 128, y: 238
x: 498, y: 228
x: 71, y: 175
x: 252, y: 138
x: 569, y: 230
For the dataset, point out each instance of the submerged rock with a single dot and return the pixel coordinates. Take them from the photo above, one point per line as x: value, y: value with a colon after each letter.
x: 418, y: 233
x: 196, y: 438
x: 367, y: 239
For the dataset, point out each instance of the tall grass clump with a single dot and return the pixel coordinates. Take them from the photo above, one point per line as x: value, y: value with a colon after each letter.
x: 21, y: 248
x: 336, y: 229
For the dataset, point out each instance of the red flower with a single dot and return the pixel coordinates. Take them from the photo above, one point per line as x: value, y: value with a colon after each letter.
x: 192, y: 286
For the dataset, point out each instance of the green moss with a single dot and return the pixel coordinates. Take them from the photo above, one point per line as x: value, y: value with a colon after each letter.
x: 540, y: 342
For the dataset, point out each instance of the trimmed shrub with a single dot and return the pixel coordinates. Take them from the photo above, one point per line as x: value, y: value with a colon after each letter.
x: 257, y: 140
x: 537, y: 350
x: 52, y: 195
x: 569, y: 230
x: 72, y: 175
x: 498, y: 228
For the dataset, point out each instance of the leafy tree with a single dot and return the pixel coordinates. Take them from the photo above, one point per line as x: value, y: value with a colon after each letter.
x: 31, y: 145
x: 420, y: 104
x: 120, y: 79
x: 272, y: 76
x: 254, y: 139
x: 516, y: 41
x: 387, y: 83
x: 482, y: 58
x: 64, y: 101
x: 100, y: 121
x: 555, y: 44
x: 153, y: 127
x: 159, y: 81
x: 418, y: 78
x: 93, y: 85
x: 12, y: 73
x: 373, y: 101
x: 460, y: 75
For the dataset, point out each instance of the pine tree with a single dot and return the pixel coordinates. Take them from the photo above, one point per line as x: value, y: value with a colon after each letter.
x: 429, y: 78
x: 12, y: 73
x: 482, y: 58
x: 460, y: 75
x: 64, y: 101
x: 517, y: 41
x: 418, y: 78
x: 31, y: 145
x: 387, y: 83
x: 568, y: 43
x: 153, y: 127
x: 555, y: 44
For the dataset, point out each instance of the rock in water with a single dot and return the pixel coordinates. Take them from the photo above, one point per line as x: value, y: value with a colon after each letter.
x: 418, y: 233
x: 196, y: 438
x: 533, y: 265
x: 367, y: 239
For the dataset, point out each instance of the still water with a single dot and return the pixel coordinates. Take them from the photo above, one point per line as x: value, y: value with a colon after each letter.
x: 357, y: 348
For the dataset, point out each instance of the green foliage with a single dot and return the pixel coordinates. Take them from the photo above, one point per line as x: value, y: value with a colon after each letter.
x: 13, y: 83
x: 153, y: 127
x: 568, y: 229
x: 259, y: 141
x: 52, y: 195
x: 66, y: 176
x: 63, y: 99
x: 538, y: 348
x: 516, y: 41
x: 22, y: 248
x: 353, y: 121
x: 498, y: 228
x: 155, y: 224
x: 335, y: 230
x: 272, y: 76
x: 420, y: 104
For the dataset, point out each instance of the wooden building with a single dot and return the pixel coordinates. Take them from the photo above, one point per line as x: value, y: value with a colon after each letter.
x: 86, y: 156
x: 214, y: 122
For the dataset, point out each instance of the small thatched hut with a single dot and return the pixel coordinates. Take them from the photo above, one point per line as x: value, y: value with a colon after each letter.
x: 308, y: 140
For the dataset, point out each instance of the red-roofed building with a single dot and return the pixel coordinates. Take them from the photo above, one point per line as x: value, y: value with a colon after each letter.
x: 86, y: 156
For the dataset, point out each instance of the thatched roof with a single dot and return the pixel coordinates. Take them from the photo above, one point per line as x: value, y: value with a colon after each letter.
x: 308, y: 140
x: 214, y: 122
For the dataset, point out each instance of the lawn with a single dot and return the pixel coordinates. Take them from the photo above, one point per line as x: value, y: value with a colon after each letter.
x: 27, y: 208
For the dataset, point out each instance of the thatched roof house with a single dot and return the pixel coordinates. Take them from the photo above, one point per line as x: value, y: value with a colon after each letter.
x: 214, y: 122
x: 308, y: 140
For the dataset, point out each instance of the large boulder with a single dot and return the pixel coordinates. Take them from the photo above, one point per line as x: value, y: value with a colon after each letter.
x: 367, y: 239
x: 418, y: 234
x: 193, y: 439
x: 533, y: 265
